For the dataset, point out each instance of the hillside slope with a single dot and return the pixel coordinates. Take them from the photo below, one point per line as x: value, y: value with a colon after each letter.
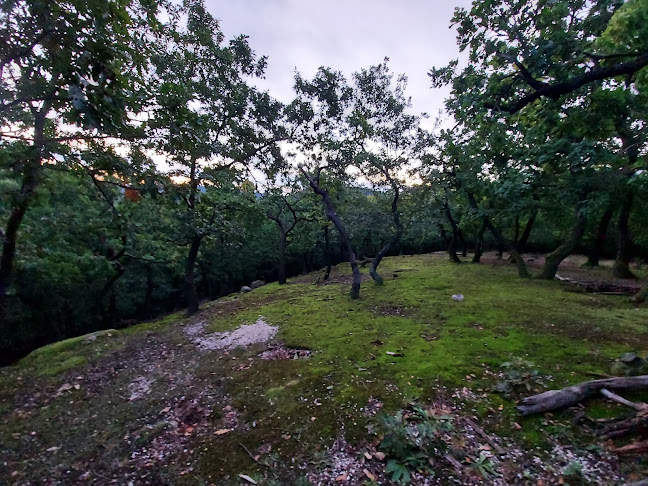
x: 325, y: 390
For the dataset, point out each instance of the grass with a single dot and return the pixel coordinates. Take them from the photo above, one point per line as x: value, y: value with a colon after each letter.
x: 300, y: 406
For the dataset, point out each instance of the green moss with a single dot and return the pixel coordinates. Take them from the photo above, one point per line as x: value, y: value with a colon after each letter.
x: 299, y: 406
x: 157, y: 325
x: 67, y: 364
x: 67, y: 345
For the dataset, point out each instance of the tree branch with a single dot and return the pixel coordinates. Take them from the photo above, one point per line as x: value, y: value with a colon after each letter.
x: 556, y: 90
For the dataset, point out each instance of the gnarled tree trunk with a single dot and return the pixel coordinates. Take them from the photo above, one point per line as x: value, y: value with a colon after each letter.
x: 452, y: 246
x: 344, y: 234
x: 553, y: 260
x: 600, y: 238
x: 479, y: 244
x: 521, y: 243
x: 621, y: 268
x: 373, y: 268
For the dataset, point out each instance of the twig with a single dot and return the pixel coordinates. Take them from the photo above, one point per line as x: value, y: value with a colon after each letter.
x: 616, y: 398
x: 454, y: 462
x: 249, y: 453
x: 481, y: 432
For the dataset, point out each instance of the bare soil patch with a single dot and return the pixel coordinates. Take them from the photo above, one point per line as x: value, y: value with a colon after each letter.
x: 245, y: 335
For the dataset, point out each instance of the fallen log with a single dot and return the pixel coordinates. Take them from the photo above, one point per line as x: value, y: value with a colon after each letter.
x: 616, y: 398
x: 571, y: 395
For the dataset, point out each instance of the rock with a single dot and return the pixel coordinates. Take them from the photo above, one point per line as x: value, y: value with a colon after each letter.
x: 97, y: 334
x: 630, y: 358
x: 630, y: 364
x: 245, y: 289
x: 257, y: 283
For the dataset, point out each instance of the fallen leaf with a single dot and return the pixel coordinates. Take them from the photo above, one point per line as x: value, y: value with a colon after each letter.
x: 342, y: 477
x: 222, y: 431
x: 53, y: 449
x: 247, y: 478
x: 165, y: 410
x: 64, y: 388
x: 367, y: 455
x: 369, y: 475
x: 379, y: 455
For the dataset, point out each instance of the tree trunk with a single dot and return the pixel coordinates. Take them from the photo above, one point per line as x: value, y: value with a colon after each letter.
x: 282, y: 256
x: 601, y: 236
x: 479, y: 245
x: 344, y: 235
x: 30, y: 181
x: 373, y: 269
x: 502, y: 243
x: 521, y: 243
x: 553, y: 260
x: 452, y: 246
x: 641, y: 296
x: 327, y: 251
x: 191, y: 294
x: 451, y: 249
x: 621, y: 267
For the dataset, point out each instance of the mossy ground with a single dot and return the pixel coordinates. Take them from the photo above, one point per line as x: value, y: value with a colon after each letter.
x: 298, y: 407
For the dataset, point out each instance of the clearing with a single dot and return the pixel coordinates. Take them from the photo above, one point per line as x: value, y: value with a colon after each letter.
x: 298, y: 384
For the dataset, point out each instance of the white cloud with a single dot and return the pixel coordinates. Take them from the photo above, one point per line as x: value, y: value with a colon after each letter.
x: 346, y: 35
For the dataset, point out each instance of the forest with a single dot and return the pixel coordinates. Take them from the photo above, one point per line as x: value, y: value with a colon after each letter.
x: 143, y: 172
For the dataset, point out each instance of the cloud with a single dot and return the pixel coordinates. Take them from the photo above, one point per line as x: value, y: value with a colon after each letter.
x: 346, y: 35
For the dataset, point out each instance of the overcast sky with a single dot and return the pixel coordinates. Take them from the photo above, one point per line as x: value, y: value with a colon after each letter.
x: 346, y: 35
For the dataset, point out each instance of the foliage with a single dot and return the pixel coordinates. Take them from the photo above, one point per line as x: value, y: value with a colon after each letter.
x: 413, y: 442
x: 518, y: 375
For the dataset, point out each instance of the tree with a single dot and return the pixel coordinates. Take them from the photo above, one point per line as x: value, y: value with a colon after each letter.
x: 539, y: 68
x: 318, y: 113
x: 524, y: 51
x: 70, y: 71
x: 286, y: 211
x: 209, y: 122
x: 386, y: 140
